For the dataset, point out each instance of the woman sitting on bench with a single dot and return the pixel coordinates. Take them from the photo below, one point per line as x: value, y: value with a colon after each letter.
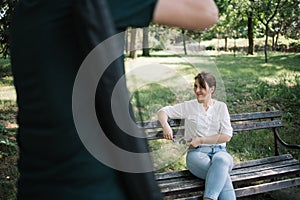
x: 207, y: 129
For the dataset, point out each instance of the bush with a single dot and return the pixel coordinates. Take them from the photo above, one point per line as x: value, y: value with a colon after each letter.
x: 210, y: 47
x: 294, y: 47
x: 281, y: 47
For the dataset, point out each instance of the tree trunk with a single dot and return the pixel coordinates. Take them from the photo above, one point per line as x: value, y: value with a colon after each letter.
x: 276, y: 40
x: 266, y: 43
x: 146, y: 50
x: 199, y: 41
x: 226, y: 47
x: 133, y: 53
x: 250, y: 33
x: 183, y: 40
x: 273, y: 41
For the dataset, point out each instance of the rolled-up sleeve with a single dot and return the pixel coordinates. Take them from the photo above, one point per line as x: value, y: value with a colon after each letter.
x: 225, y: 121
x: 134, y: 13
x: 174, y: 112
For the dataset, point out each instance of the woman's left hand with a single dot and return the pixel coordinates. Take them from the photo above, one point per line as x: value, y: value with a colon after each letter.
x: 195, y: 142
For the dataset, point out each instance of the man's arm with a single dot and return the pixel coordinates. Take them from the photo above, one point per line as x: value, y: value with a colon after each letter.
x: 190, y: 14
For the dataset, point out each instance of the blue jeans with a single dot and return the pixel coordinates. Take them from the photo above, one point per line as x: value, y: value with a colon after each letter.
x: 213, y: 164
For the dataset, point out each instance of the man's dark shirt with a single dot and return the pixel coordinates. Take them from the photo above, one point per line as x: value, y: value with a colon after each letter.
x: 46, y: 55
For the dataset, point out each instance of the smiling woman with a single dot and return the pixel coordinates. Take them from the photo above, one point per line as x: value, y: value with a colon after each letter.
x: 207, y: 130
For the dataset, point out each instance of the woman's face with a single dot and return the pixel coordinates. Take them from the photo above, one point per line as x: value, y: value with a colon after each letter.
x: 202, y: 94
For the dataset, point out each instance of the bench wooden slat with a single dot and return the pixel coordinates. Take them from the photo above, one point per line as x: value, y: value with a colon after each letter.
x: 263, y: 161
x: 240, y: 122
x: 269, y: 173
x: 197, y: 184
x: 256, y: 125
x: 264, y: 167
x: 198, y: 197
x: 256, y: 189
x: 233, y: 118
x: 173, y: 187
x: 172, y: 183
x: 255, y: 115
x: 153, y: 135
x: 267, y: 187
x: 156, y: 124
x: 158, y: 134
x: 185, y: 173
x: 169, y: 175
x: 189, y: 183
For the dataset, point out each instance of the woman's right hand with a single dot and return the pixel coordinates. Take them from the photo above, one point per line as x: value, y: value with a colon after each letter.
x: 168, y: 132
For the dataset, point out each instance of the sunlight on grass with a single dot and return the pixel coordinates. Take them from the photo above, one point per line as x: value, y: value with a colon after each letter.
x: 166, y: 154
x: 285, y: 77
x: 7, y: 93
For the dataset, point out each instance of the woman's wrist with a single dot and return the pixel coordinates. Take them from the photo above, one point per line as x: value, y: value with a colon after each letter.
x: 200, y: 140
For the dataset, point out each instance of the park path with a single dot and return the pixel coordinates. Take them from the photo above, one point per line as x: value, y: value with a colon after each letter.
x: 7, y: 93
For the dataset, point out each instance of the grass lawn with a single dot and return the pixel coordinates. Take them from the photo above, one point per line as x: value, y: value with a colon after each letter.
x: 245, y: 83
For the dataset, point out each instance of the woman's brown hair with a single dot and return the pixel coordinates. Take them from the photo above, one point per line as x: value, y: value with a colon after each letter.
x: 208, y: 78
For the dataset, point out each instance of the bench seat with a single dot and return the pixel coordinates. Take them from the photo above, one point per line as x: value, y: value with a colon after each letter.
x: 249, y: 177
x: 245, y: 177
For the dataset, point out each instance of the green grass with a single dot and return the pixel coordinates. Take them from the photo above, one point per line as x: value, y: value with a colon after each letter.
x: 252, y: 86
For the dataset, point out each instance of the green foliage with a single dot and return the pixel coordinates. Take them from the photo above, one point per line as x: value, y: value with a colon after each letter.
x: 8, y: 191
x: 6, y: 12
x: 211, y: 47
x: 8, y: 152
x: 287, y: 20
x: 281, y: 17
x: 8, y: 145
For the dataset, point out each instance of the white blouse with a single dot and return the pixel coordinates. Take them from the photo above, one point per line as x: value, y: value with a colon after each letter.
x: 198, y: 121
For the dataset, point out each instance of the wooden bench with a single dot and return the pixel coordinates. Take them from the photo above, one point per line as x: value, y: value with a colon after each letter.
x: 250, y: 177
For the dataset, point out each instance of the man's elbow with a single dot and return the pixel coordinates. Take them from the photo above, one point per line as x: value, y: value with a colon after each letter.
x: 213, y: 15
x: 211, y: 19
x: 214, y: 19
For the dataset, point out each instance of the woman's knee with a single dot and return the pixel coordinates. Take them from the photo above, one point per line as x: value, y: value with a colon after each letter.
x: 198, y: 159
x: 197, y: 166
x: 223, y: 158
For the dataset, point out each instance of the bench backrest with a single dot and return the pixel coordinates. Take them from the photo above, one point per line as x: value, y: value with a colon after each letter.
x: 239, y: 122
